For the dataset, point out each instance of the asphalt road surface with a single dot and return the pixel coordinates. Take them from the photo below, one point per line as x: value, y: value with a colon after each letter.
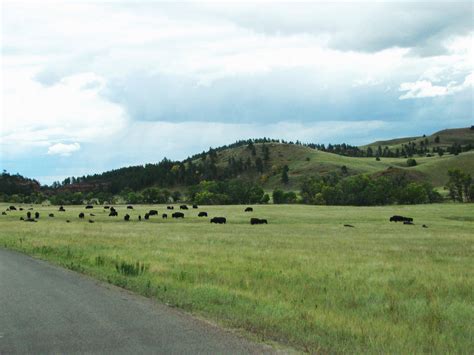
x: 47, y: 309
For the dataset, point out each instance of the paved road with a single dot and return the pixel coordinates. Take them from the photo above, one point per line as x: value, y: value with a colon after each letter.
x: 46, y: 309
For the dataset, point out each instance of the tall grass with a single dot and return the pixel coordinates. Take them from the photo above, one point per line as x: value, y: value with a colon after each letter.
x: 303, y: 279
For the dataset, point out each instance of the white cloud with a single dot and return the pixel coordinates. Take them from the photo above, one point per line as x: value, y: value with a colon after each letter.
x: 63, y: 149
x: 424, y: 88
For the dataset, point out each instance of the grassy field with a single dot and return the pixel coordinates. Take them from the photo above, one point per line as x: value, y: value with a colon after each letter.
x: 303, y: 280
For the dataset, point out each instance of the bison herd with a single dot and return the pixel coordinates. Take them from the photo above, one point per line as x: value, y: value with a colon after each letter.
x: 176, y: 215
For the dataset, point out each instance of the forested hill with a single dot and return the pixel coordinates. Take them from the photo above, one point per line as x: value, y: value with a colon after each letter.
x: 272, y: 163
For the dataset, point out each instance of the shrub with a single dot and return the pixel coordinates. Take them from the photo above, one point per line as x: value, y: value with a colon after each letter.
x: 411, y: 162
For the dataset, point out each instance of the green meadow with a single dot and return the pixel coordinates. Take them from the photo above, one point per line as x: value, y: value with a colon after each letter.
x: 304, y: 280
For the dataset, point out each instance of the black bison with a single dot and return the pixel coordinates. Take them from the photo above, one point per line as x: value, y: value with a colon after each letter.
x: 12, y: 208
x: 178, y: 215
x: 22, y: 219
x: 4, y: 213
x: 248, y: 209
x: 51, y: 215
x: 81, y: 215
x: 61, y: 209
x: 21, y: 208
x: 147, y: 216
x: 89, y: 207
x: 348, y: 225
x: 113, y: 214
x: 258, y: 221
x: 37, y: 215
x: 424, y: 226
x: 170, y: 207
x: 400, y: 219
x: 195, y: 206
x: 68, y: 221
x: 183, y: 207
x: 219, y: 220
x: 202, y: 214
x: 28, y: 214
x: 106, y: 207
x: 153, y: 213
x: 126, y: 217
x: 130, y: 207
x: 91, y: 221
x: 112, y: 209
x: 139, y: 217
x: 164, y: 216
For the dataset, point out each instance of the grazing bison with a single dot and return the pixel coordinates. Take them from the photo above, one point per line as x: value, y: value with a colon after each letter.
x: 106, y: 207
x: 28, y: 214
x: 400, y: 219
x: 147, y: 216
x: 4, y: 213
x: 424, y: 226
x: 12, y: 208
x: 195, y: 206
x: 21, y: 208
x: 248, y: 209
x: 164, y: 216
x: 139, y: 217
x: 61, y: 209
x: 178, y: 215
x: 130, y: 207
x: 126, y: 217
x: 81, y: 215
x: 112, y: 209
x: 89, y: 207
x: 348, y: 225
x: 51, y: 215
x: 68, y: 221
x: 153, y: 213
x: 202, y: 214
x: 113, y: 213
x: 258, y: 221
x: 37, y: 215
x: 219, y: 220
x: 91, y: 221
x: 183, y: 207
x: 170, y: 207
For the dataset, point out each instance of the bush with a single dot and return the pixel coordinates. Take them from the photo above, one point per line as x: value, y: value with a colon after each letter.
x: 411, y: 162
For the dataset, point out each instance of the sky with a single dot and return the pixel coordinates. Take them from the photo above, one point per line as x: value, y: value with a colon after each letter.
x: 97, y: 85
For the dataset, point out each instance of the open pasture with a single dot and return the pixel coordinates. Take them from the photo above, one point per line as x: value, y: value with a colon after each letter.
x: 303, y: 280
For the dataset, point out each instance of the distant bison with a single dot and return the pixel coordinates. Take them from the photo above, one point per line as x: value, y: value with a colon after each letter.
x: 61, y: 209
x: 126, y: 217
x: 195, y: 206
x: 258, y: 221
x: 178, y: 215
x: 81, y: 215
x: 12, y: 208
x: 106, y: 207
x: 130, y: 207
x: 153, y: 213
x: 183, y: 207
x: 248, y: 209
x: 68, y: 221
x: 51, y: 215
x: 424, y: 226
x: 348, y: 225
x: 164, y: 216
x: 4, y: 213
x: 147, y: 216
x: 113, y: 213
x: 28, y: 214
x: 91, y: 221
x: 89, y: 206
x: 22, y: 219
x: 21, y: 208
x: 91, y: 214
x: 202, y: 214
x: 139, y: 217
x: 219, y: 220
x: 170, y: 207
x: 37, y: 215
x: 400, y: 219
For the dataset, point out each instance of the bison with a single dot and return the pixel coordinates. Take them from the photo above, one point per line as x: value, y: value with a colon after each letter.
x: 202, y: 214
x: 164, y: 216
x: 170, y: 207
x: 153, y: 213
x: 397, y: 218
x: 195, y: 206
x: 28, y: 214
x: 12, y: 208
x: 147, y: 216
x: 106, y: 207
x: 51, y: 215
x: 81, y: 215
x: 219, y: 220
x: 183, y: 207
x: 248, y: 209
x: 88, y: 207
x: 139, y: 217
x: 258, y: 221
x: 113, y: 213
x: 4, y: 213
x: 126, y: 217
x: 91, y: 221
x: 130, y: 207
x: 178, y: 215
x: 37, y: 215
x: 61, y: 209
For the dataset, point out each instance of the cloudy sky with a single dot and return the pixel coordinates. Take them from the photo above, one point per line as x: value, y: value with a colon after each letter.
x: 91, y: 86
